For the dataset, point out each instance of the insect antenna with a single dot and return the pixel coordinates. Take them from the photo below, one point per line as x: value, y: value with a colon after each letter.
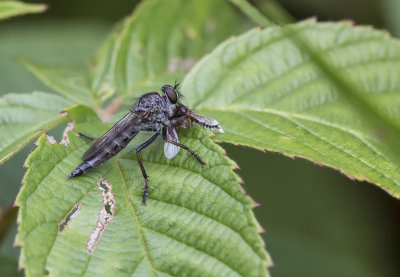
x: 176, y: 85
x: 178, y: 93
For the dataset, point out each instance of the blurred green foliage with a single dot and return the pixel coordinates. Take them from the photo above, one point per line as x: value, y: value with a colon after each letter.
x: 318, y: 222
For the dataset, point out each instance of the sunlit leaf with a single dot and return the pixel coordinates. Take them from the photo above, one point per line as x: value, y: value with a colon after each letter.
x: 268, y: 94
x: 260, y: 86
x: 197, y: 221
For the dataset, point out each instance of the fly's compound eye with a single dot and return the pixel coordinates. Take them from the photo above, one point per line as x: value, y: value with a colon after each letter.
x: 171, y: 94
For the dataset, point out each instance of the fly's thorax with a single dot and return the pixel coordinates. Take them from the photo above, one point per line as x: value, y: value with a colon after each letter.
x: 167, y: 110
x: 162, y: 119
x: 152, y: 122
x: 149, y: 102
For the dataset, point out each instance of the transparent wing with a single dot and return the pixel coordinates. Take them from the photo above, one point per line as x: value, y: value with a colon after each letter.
x: 110, y: 135
x: 171, y: 150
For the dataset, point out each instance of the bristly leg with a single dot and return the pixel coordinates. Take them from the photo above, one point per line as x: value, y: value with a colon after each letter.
x: 140, y: 148
x: 164, y: 132
x: 86, y: 137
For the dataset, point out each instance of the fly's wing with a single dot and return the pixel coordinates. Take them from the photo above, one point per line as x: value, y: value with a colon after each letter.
x: 110, y: 135
x: 171, y: 150
x: 210, y: 123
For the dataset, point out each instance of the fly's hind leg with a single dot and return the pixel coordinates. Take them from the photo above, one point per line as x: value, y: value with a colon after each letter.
x: 140, y: 148
x: 86, y: 137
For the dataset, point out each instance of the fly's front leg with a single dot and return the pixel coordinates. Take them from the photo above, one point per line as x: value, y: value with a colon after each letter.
x: 164, y: 133
x: 140, y: 148
x: 86, y: 137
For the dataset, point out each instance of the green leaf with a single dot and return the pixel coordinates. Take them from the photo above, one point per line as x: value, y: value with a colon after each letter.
x: 379, y: 123
x: 148, y: 49
x: 252, y: 12
x: 274, y: 12
x: 23, y: 117
x: 197, y: 221
x: 13, y: 8
x: 68, y: 81
x: 268, y: 94
x: 184, y: 35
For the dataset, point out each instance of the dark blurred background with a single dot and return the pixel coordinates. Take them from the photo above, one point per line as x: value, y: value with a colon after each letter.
x: 318, y: 222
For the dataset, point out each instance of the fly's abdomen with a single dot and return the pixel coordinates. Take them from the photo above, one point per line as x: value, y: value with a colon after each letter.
x: 109, y: 150
x: 80, y: 170
x: 112, y: 149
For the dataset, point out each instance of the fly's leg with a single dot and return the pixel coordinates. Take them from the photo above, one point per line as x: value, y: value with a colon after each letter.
x: 182, y: 146
x: 140, y: 148
x: 187, y: 149
x: 86, y: 137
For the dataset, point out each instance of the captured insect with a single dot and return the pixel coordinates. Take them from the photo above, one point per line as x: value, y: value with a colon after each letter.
x: 152, y: 112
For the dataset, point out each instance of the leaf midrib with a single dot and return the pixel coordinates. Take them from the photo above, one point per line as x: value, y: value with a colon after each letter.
x: 139, y: 225
x: 313, y: 79
x: 288, y: 115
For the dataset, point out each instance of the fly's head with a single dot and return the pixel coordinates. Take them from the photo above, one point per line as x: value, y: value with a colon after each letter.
x: 171, y: 99
x: 182, y: 116
x: 171, y: 94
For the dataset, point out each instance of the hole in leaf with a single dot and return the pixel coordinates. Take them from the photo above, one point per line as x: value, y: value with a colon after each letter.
x: 64, y: 223
x: 105, y: 216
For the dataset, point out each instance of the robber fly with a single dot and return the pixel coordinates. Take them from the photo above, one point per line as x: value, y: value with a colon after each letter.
x: 161, y: 114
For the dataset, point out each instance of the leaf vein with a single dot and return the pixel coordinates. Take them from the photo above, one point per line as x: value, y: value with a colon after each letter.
x: 212, y: 219
x: 249, y: 54
x: 194, y: 172
x: 195, y: 248
x: 288, y: 117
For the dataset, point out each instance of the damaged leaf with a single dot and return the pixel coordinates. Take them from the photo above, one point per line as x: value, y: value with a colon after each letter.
x: 26, y: 116
x: 264, y: 92
x: 105, y: 216
x: 192, y: 214
x: 70, y: 215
